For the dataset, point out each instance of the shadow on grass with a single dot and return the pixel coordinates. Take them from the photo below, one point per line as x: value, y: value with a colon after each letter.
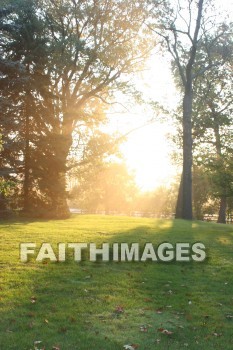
x: 100, y: 305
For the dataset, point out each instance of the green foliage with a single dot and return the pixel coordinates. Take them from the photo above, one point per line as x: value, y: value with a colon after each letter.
x: 201, y: 192
x: 6, y: 186
x: 212, y: 118
x: 109, y: 187
x: 158, y: 203
x: 211, y: 122
x: 61, y: 63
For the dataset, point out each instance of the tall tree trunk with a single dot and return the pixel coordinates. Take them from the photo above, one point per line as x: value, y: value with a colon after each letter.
x: 187, y: 152
x: 187, y: 80
x: 57, y: 178
x: 26, y: 204
x: 59, y: 208
x: 3, y: 206
x: 222, y: 210
x: 223, y: 199
x: 179, y: 203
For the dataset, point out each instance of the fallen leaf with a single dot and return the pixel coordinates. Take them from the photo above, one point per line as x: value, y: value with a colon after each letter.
x: 165, y: 331
x: 143, y: 329
x: 33, y: 300
x: 119, y: 309
x: 159, y: 311
x: 148, y: 300
x: 131, y: 346
x: 217, y: 334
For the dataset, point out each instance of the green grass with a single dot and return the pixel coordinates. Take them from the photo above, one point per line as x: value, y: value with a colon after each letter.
x: 72, y: 306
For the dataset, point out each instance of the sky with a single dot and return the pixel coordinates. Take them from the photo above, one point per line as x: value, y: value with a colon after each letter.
x: 147, y: 150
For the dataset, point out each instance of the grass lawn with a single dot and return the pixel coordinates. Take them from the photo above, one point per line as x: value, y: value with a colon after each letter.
x: 104, y: 306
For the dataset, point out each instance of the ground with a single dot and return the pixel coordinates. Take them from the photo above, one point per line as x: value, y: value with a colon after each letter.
x: 105, y: 306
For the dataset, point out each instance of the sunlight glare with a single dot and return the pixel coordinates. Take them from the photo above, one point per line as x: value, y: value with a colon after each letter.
x: 147, y: 154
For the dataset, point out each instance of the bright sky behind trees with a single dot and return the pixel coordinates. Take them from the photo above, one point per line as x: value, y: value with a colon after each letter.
x: 147, y: 150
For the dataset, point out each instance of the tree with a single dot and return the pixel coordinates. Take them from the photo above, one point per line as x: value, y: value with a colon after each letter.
x: 201, y: 191
x: 183, y: 28
x: 212, y: 120
x: 158, y: 203
x: 91, y: 47
x: 109, y: 187
x: 22, y: 86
